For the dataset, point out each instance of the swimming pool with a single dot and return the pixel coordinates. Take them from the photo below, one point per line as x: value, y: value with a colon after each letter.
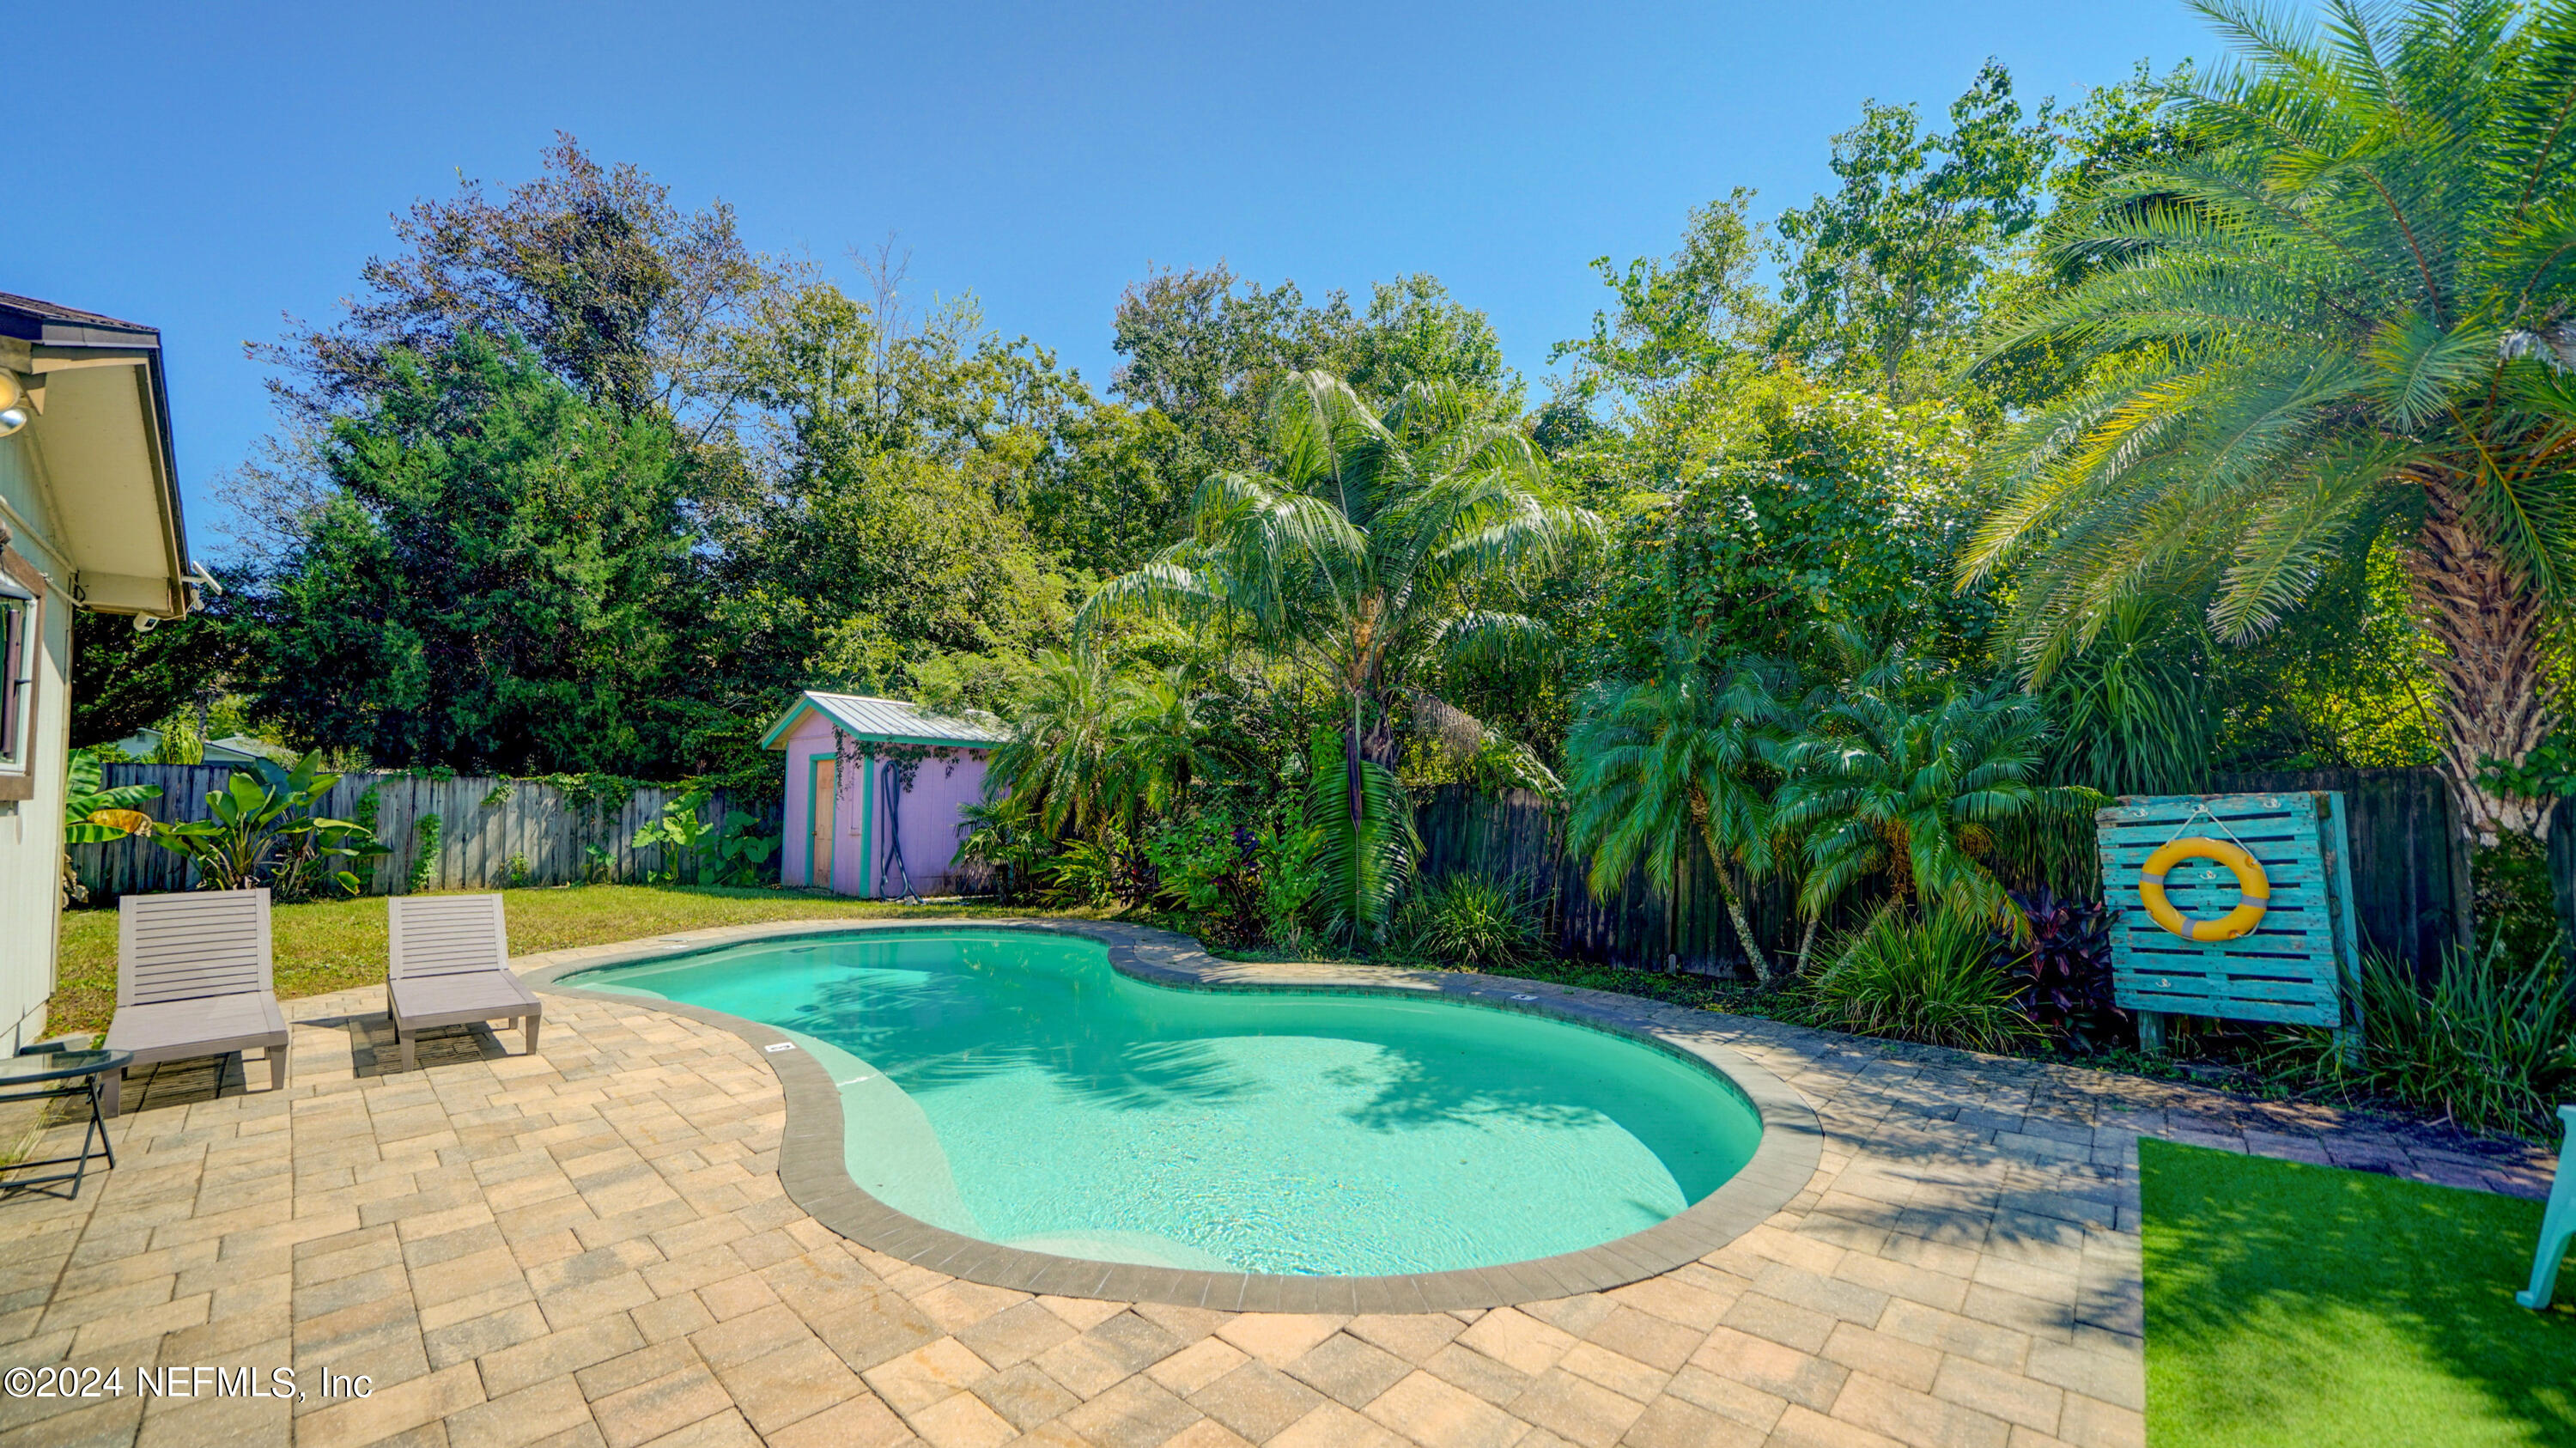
x: 1013, y: 1087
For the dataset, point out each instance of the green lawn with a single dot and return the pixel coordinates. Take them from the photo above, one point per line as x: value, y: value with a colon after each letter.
x: 337, y: 944
x: 2300, y: 1305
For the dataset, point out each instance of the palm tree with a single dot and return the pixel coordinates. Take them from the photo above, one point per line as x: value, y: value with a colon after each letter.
x: 1366, y: 556
x: 2352, y: 307
x: 1158, y: 744
x: 1683, y: 762
x: 1886, y: 785
x: 1059, y: 758
x: 997, y: 836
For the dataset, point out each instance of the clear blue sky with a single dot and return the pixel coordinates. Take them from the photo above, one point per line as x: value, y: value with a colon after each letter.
x: 206, y: 168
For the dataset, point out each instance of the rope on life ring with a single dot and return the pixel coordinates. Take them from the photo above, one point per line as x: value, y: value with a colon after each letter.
x: 2250, y: 880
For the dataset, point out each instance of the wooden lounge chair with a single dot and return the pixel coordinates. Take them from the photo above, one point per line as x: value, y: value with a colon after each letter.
x: 450, y: 966
x: 193, y: 978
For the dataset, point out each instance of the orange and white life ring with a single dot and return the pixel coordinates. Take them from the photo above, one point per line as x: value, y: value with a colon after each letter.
x: 2250, y: 880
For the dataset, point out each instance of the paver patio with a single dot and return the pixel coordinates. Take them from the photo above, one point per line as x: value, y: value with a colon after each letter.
x: 593, y: 1247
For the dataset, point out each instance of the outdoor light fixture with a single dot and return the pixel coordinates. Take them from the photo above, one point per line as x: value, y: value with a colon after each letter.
x: 15, y: 410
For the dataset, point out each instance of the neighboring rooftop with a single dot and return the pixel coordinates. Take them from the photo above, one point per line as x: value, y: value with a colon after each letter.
x: 866, y: 717
x: 231, y: 749
x: 54, y: 323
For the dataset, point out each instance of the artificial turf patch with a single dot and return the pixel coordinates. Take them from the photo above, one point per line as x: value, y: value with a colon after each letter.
x: 2302, y: 1305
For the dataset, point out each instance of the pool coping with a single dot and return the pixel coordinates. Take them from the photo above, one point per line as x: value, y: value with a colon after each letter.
x: 811, y: 1162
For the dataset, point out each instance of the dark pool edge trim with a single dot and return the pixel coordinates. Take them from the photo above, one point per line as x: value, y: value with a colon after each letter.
x: 812, y: 1168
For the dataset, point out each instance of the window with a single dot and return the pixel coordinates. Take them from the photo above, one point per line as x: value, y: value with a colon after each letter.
x: 17, y: 670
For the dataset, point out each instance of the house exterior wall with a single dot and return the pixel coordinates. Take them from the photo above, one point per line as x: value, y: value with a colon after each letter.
x: 927, y: 816
x: 31, y: 829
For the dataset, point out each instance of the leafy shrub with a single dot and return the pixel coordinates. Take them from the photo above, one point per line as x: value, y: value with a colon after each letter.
x: 94, y: 814
x: 424, y: 853
x: 1209, y: 868
x: 2491, y: 1047
x: 2512, y: 901
x: 1080, y: 875
x: 1464, y: 919
x: 1090, y: 873
x: 732, y: 852
x: 1922, y: 978
x: 1362, y: 859
x: 2065, y: 971
x: 999, y: 844
x: 1292, y: 874
x: 1240, y: 885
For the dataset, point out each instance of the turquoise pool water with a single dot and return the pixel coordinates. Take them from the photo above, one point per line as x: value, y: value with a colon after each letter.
x: 1012, y: 1087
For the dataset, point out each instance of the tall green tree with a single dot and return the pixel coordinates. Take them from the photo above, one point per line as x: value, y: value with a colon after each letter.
x: 1824, y: 509
x: 1204, y: 347
x: 1698, y: 312
x: 1895, y: 258
x: 489, y: 585
x: 875, y: 524
x: 2343, y: 316
x: 1203, y: 350
x: 619, y: 292
x: 123, y: 680
x: 1372, y: 551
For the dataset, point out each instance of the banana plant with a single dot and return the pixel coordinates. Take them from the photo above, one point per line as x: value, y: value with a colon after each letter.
x: 94, y: 814
x: 266, y: 810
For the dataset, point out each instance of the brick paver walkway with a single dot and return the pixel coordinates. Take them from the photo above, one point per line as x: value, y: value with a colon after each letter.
x: 593, y: 1247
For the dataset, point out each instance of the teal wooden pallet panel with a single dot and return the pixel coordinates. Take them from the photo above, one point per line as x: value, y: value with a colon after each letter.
x: 2231, y: 807
x: 2302, y: 969
x: 2237, y: 1010
x: 2290, y: 967
x: 2286, y: 870
x: 2149, y: 961
x: 2306, y: 930
x: 2281, y: 990
x: 2255, y: 833
x: 2142, y: 933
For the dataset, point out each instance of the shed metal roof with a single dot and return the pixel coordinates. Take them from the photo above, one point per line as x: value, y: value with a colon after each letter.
x: 864, y: 717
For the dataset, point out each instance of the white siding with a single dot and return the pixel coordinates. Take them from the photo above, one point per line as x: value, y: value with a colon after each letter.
x: 31, y: 831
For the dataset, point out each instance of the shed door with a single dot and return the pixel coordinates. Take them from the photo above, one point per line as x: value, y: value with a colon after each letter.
x: 819, y: 813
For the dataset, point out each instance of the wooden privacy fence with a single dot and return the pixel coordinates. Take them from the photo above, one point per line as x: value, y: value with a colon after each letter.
x: 1519, y: 838
x: 2410, y: 861
x: 2410, y: 872
x: 491, y: 832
